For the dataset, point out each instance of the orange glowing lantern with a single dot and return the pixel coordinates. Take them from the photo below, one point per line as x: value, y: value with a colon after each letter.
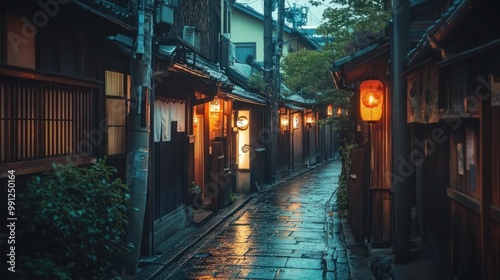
x: 371, y: 94
x: 285, y: 121
x: 329, y: 110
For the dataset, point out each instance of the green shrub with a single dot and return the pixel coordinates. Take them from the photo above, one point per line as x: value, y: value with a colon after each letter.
x: 72, y: 221
x: 343, y: 188
x: 232, y: 198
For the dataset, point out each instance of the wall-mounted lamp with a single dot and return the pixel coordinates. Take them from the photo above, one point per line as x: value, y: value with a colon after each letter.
x: 215, y: 106
x: 309, y: 121
x: 371, y: 95
x: 285, y: 122
x: 242, y: 122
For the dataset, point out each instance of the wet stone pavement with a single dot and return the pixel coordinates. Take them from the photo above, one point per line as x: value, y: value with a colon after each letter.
x: 288, y: 232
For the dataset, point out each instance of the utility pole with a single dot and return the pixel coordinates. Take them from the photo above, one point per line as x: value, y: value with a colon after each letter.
x: 272, y: 55
x: 297, y: 15
x: 277, y: 85
x: 268, y: 80
x: 138, y: 135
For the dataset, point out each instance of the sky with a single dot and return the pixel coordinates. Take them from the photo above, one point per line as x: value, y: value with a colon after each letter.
x: 314, y: 17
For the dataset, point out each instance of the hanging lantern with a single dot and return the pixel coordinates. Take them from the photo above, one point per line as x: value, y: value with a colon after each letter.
x: 329, y: 111
x: 371, y: 94
x: 215, y: 105
x: 296, y: 121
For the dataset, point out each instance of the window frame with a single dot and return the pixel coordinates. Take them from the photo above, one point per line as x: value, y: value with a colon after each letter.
x: 125, y: 97
x: 240, y: 45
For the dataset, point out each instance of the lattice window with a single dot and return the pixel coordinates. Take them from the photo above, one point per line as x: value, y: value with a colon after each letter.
x: 45, y: 119
x: 117, y: 96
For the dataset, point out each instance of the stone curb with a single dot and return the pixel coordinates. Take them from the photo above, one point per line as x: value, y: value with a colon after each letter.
x: 359, y: 265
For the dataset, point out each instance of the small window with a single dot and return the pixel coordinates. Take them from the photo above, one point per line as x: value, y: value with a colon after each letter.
x: 192, y: 36
x: 243, y: 50
x: 117, y: 95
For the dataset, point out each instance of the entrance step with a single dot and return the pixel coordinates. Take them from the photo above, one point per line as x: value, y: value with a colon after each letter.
x: 202, y: 216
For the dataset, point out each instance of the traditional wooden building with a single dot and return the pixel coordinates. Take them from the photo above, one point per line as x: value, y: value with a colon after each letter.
x: 453, y: 108
x: 370, y: 188
x: 59, y: 79
x: 66, y: 83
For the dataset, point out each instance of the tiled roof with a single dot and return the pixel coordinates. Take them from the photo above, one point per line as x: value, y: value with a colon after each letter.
x: 438, y: 31
x: 103, y: 7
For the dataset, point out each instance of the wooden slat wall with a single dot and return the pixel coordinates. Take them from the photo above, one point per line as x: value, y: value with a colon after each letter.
x: 169, y: 173
x: 494, y: 257
x: 492, y: 209
x: 465, y: 242
x: 283, y: 154
x: 495, y: 157
x: 44, y: 119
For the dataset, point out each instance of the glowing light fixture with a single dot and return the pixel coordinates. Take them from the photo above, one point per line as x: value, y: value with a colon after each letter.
x: 296, y: 121
x: 242, y: 122
x: 329, y: 111
x: 215, y: 105
x: 371, y: 94
x: 309, y: 121
x: 285, y: 121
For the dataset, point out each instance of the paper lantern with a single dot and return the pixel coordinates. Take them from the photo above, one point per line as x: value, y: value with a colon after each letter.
x: 371, y: 95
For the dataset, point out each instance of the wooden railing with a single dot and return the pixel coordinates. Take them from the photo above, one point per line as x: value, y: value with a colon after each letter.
x: 45, y: 117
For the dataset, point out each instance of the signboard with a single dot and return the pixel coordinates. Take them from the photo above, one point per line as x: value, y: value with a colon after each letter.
x: 422, y: 96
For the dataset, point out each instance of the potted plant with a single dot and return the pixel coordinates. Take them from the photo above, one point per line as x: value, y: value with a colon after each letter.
x: 195, y: 192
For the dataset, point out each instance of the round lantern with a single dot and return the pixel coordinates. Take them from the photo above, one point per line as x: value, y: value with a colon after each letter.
x: 371, y: 95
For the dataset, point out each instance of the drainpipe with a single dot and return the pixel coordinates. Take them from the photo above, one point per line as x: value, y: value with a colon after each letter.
x: 401, y: 173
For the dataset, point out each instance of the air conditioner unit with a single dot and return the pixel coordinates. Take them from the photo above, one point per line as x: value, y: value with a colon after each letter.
x: 189, y: 34
x: 165, y: 14
x: 171, y: 3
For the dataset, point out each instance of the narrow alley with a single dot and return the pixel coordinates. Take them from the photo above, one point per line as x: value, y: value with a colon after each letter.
x: 287, y: 232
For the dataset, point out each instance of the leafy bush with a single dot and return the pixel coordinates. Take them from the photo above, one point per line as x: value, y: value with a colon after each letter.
x: 343, y: 189
x: 232, y: 198
x: 72, y: 221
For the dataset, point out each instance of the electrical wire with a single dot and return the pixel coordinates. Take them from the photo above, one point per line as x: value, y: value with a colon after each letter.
x: 315, y: 17
x: 248, y: 1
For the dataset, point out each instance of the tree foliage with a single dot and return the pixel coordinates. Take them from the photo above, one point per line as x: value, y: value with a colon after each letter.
x: 308, y: 72
x: 349, y: 21
x: 352, y: 24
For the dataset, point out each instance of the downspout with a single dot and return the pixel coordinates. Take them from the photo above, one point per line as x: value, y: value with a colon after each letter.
x: 401, y: 179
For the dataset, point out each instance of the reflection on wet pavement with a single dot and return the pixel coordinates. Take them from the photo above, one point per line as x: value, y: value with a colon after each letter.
x: 286, y: 233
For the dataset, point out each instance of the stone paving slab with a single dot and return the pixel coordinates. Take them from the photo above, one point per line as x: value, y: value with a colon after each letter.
x: 290, y: 231
x: 281, y: 234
